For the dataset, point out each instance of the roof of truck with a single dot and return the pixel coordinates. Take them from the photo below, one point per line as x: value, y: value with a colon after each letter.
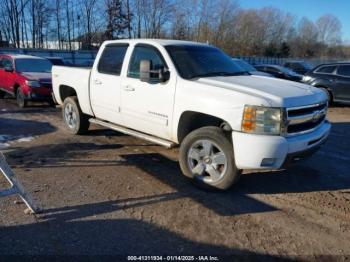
x: 163, y: 42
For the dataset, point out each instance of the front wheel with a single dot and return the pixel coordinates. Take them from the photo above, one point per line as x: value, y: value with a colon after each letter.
x: 206, y: 157
x: 76, y: 121
x: 20, y: 98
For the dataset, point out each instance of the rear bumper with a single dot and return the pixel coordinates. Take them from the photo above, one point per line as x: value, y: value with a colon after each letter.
x: 274, y: 152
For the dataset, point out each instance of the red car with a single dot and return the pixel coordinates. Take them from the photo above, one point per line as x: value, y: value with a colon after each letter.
x: 26, y: 78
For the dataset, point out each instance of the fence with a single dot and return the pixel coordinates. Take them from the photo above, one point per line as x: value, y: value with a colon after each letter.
x: 81, y: 57
x: 86, y: 57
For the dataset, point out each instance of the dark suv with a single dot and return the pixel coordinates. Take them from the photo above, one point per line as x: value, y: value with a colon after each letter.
x: 299, y: 67
x: 333, y: 78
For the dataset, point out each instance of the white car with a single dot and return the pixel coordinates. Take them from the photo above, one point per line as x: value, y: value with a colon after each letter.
x: 193, y: 95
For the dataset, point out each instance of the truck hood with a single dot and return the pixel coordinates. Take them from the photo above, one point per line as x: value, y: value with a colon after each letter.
x: 37, y: 76
x: 277, y: 92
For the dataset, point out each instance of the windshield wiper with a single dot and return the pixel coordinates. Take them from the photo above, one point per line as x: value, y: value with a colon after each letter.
x: 220, y: 74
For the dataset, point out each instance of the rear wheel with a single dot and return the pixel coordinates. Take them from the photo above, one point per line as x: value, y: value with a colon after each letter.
x: 76, y: 121
x: 206, y: 157
x: 20, y: 98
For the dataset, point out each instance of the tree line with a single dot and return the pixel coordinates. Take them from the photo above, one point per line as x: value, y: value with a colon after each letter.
x: 246, y: 32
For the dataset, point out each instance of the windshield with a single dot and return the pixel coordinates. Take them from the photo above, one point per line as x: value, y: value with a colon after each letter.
x: 202, y: 61
x: 33, y: 65
x: 244, y: 65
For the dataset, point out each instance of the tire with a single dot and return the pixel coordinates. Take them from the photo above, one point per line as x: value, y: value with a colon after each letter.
x: 75, y: 120
x: 2, y: 94
x: 329, y: 95
x: 20, y: 98
x: 206, y: 157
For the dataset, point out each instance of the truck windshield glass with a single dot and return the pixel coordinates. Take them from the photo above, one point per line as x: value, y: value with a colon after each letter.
x: 193, y: 61
x: 33, y: 65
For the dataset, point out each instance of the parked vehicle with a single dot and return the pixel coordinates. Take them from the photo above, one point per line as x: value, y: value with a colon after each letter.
x: 280, y: 72
x: 193, y: 95
x: 26, y: 78
x: 300, y: 67
x: 249, y: 68
x: 56, y: 60
x: 332, y: 78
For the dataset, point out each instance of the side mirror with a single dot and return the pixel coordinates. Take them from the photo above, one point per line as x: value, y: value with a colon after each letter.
x: 146, y: 74
x: 145, y: 70
x: 8, y: 68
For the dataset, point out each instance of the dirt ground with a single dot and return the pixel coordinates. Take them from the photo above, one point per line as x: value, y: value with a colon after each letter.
x: 105, y: 193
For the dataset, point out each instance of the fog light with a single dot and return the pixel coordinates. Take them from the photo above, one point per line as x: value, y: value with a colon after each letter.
x: 268, y: 162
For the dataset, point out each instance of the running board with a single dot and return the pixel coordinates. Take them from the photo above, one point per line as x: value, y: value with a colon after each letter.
x: 131, y: 132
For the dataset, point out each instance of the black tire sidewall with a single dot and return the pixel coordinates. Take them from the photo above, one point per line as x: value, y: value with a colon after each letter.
x: 217, y: 136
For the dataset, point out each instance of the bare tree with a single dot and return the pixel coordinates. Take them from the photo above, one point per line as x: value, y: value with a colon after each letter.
x: 329, y: 29
x: 88, y: 14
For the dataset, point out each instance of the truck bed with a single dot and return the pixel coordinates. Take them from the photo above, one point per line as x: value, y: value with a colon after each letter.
x: 76, y: 77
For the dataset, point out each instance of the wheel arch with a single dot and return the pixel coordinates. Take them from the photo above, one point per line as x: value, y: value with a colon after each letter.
x: 15, y: 88
x: 192, y: 120
x: 325, y: 86
x: 66, y: 91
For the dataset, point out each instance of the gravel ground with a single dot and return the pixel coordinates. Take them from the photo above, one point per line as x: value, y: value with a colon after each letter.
x: 105, y: 193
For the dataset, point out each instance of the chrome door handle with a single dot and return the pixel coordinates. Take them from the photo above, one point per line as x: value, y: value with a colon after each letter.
x: 129, y: 88
x: 97, y: 82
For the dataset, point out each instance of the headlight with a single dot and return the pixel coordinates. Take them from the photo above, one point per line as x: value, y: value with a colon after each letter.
x: 306, y: 78
x: 32, y: 83
x: 262, y: 120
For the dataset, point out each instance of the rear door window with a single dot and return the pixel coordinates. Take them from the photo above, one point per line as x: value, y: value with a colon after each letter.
x: 344, y: 70
x: 111, y: 60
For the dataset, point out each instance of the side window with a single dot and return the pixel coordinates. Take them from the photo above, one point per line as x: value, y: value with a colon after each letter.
x: 326, y: 69
x: 1, y: 64
x: 344, y: 70
x: 145, y: 53
x: 6, y: 62
x: 272, y: 70
x: 111, y: 60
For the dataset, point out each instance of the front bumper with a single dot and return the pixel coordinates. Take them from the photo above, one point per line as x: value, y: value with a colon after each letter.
x: 39, y: 94
x: 274, y: 152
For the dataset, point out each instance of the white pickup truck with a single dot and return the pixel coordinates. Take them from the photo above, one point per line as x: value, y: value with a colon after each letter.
x: 193, y: 95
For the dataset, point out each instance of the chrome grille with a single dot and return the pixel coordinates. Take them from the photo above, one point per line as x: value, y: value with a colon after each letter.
x: 305, y: 119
